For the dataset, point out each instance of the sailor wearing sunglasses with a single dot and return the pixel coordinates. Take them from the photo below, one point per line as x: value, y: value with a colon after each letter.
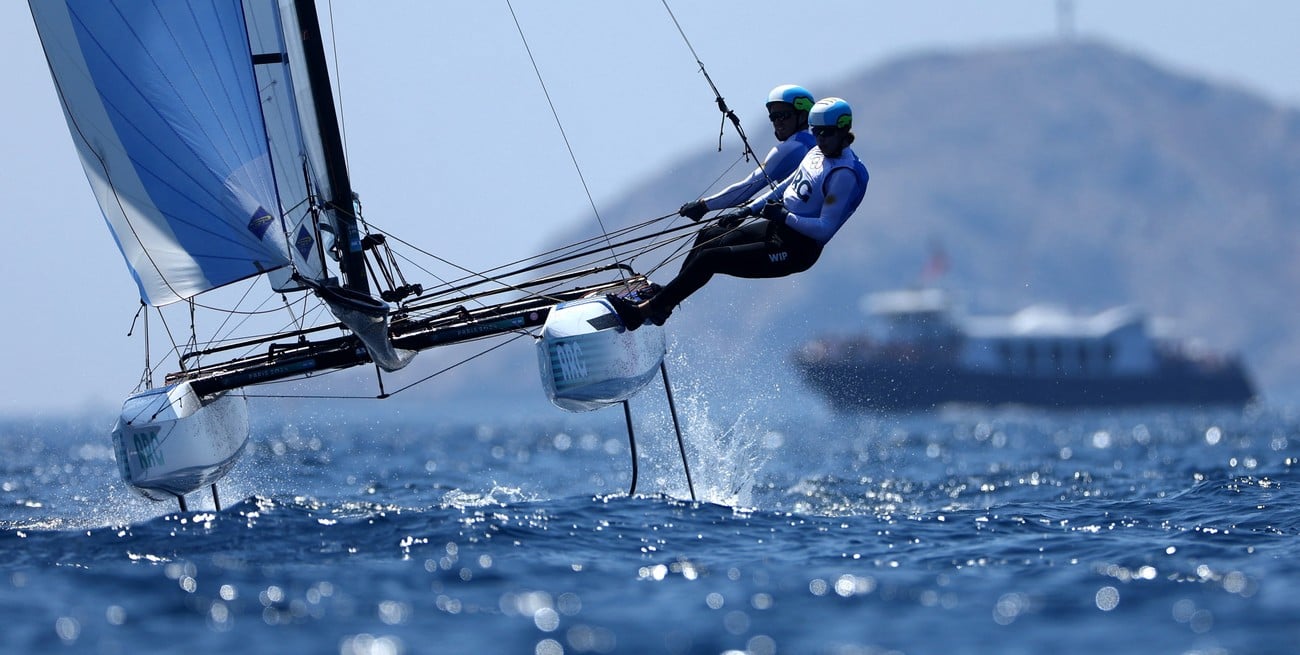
x: 787, y: 108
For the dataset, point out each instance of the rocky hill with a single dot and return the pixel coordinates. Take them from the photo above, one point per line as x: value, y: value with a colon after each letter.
x: 1071, y: 173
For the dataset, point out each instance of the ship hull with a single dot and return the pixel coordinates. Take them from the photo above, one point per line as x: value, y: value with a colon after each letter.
x: 588, y: 360
x: 169, y: 442
x: 857, y: 385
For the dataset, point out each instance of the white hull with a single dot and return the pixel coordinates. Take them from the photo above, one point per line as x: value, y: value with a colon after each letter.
x: 169, y: 442
x: 588, y: 360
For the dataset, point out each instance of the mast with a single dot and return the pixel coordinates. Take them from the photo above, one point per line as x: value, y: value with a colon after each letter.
x: 352, y: 259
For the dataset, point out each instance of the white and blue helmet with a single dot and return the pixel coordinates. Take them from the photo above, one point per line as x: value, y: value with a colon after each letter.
x: 791, y: 94
x: 831, y: 112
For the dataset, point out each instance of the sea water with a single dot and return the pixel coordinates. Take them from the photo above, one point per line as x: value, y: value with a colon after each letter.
x: 959, y: 531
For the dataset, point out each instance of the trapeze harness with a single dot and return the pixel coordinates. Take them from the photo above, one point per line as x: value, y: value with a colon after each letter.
x: 820, y: 196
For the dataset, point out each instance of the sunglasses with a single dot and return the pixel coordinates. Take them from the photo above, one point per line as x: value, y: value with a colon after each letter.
x: 780, y: 116
x: 822, y: 130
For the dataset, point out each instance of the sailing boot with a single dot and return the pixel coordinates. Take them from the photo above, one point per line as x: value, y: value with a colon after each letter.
x: 628, y: 311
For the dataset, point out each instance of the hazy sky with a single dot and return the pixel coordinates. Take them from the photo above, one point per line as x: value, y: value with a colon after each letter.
x: 453, y: 146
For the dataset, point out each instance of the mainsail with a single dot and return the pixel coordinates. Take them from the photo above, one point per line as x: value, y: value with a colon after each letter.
x: 196, y: 124
x: 163, y: 106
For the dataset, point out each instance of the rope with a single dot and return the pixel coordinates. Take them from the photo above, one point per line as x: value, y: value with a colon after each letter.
x: 560, y: 125
x: 559, y: 255
x: 727, y: 113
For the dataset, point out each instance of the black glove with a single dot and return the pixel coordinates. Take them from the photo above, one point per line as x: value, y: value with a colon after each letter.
x: 774, y: 211
x: 694, y: 210
x: 733, y: 218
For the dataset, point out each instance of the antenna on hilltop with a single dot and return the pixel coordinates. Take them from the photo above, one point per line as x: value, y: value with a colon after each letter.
x: 1065, y: 20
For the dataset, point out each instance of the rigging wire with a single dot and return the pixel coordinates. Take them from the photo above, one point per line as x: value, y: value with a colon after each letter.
x: 684, y: 245
x: 230, y: 315
x: 727, y: 113
x: 568, y: 255
x: 497, y: 277
x: 168, y: 329
x: 461, y: 362
x: 470, y: 273
x: 338, y: 82
x: 559, y: 124
x: 390, y: 394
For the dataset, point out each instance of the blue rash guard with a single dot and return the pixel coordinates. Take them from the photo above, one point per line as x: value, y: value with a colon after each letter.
x: 821, y: 195
x: 780, y: 162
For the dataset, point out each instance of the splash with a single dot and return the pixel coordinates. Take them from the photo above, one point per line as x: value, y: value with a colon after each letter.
x: 725, y: 455
x: 497, y: 496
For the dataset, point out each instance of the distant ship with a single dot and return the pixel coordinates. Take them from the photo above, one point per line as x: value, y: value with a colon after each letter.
x: 923, y: 354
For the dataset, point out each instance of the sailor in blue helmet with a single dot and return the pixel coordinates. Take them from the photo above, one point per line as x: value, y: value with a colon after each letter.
x: 801, y: 215
x: 787, y: 108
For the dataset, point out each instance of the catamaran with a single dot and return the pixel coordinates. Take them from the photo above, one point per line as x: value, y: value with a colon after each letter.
x: 209, y: 136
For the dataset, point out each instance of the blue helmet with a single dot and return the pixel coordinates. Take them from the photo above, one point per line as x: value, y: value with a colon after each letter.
x: 831, y: 112
x: 791, y: 94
